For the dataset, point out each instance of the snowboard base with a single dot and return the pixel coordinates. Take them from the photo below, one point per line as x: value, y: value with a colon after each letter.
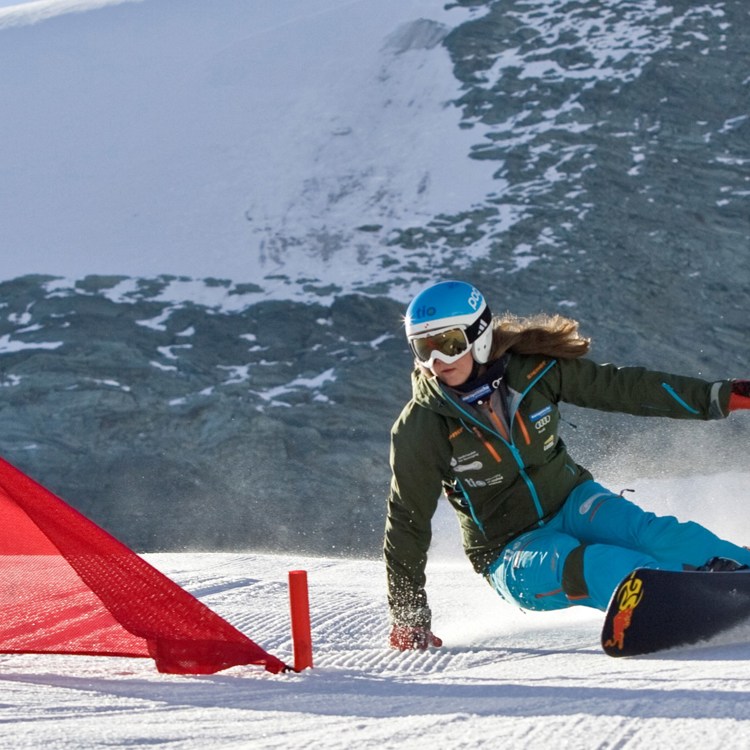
x: 653, y: 610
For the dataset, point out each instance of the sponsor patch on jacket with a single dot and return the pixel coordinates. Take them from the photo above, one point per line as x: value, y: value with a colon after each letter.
x: 467, y: 462
x: 540, y: 424
x: 539, y: 414
x: 488, y: 482
x: 537, y: 370
x: 476, y: 394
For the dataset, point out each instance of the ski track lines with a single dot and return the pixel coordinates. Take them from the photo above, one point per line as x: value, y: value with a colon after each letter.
x: 349, y: 625
x: 502, y: 677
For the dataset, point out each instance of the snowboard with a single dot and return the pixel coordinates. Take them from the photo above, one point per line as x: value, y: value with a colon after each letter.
x: 653, y: 610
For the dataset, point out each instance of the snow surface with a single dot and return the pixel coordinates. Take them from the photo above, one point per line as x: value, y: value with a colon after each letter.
x: 233, y: 140
x: 503, y: 677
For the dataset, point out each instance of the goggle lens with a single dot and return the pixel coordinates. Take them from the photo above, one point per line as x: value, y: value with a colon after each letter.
x: 447, y: 346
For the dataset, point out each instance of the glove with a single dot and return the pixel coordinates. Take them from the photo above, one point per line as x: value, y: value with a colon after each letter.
x: 411, y: 638
x: 739, y: 398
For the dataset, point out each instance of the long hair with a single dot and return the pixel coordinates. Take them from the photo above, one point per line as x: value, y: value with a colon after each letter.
x: 551, y: 335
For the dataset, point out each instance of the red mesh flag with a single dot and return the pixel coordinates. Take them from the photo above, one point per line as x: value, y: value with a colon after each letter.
x: 69, y: 587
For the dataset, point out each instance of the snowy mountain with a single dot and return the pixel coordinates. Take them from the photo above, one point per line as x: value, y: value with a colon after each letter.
x: 214, y: 212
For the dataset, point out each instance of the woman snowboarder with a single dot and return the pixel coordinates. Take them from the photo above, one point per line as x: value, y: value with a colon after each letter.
x: 482, y: 428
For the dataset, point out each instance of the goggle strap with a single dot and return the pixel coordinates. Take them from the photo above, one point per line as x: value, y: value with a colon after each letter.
x: 475, y: 330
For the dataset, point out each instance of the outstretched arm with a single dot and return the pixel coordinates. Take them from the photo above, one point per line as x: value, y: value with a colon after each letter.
x: 639, y: 391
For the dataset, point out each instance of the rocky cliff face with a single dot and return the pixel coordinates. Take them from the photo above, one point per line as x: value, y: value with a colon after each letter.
x: 213, y: 419
x: 181, y: 425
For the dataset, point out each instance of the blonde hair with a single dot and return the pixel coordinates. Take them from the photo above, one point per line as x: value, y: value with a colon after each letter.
x: 551, y: 335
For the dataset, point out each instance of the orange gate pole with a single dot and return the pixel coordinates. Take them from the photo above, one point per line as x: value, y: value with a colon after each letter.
x: 299, y: 604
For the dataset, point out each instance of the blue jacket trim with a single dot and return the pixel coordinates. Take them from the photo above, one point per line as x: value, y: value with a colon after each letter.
x: 671, y: 391
x: 476, y: 520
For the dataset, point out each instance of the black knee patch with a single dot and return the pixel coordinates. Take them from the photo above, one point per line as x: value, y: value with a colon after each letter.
x: 573, y: 581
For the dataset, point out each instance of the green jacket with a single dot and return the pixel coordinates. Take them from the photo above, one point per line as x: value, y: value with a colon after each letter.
x: 501, y: 486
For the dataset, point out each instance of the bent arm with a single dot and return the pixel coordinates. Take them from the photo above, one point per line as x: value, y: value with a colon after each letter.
x: 417, y: 455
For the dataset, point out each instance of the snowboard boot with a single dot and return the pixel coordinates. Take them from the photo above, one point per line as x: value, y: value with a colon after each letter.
x: 722, y: 565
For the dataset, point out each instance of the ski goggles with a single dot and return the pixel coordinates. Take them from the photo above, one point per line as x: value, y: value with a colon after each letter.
x: 447, y: 346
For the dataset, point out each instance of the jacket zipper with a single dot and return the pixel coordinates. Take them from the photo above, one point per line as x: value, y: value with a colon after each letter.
x: 498, y: 422
x: 487, y: 444
x: 510, y: 444
x: 524, y: 431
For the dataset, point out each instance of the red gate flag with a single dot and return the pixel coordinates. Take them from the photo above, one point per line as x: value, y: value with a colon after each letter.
x: 69, y: 587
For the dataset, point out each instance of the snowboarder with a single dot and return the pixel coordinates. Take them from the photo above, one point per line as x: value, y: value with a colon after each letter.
x: 482, y: 427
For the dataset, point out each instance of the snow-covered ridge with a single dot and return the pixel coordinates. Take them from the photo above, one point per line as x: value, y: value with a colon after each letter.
x: 26, y: 12
x: 314, y: 147
x: 242, y: 141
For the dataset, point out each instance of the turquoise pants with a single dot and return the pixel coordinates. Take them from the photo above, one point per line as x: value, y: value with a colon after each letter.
x: 608, y: 537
